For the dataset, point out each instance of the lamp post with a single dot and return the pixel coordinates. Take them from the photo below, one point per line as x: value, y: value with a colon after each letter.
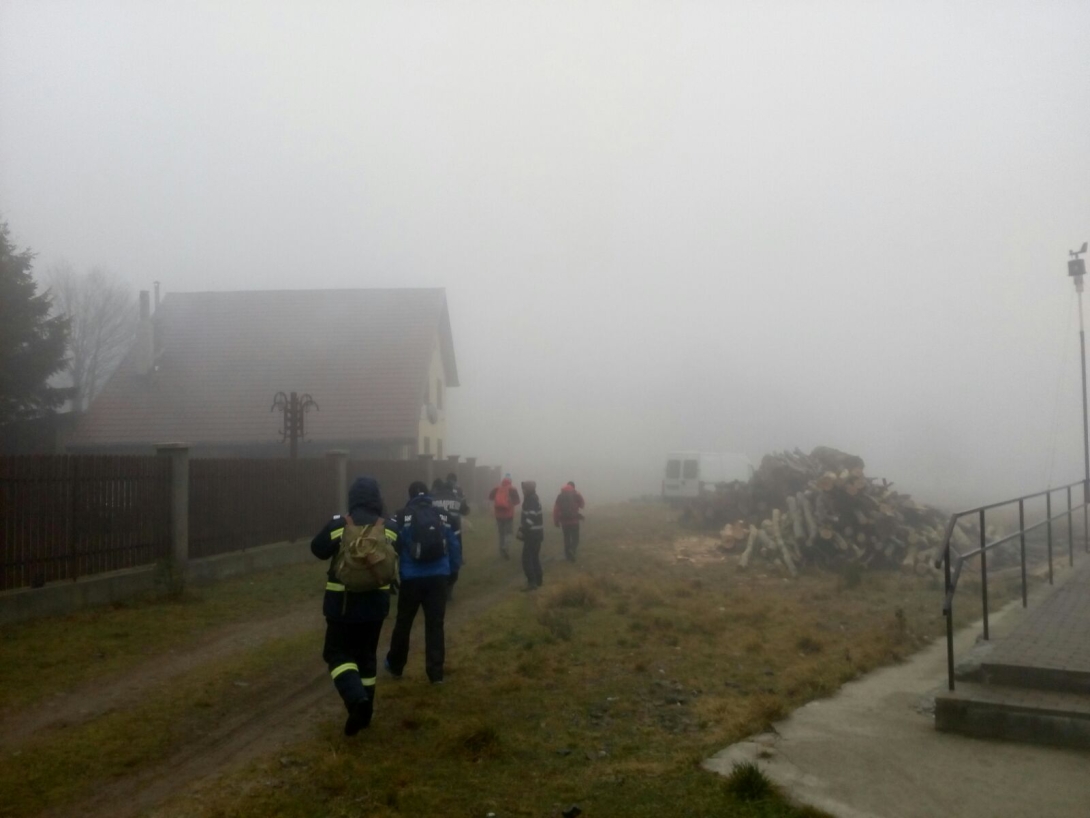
x: 1076, y: 268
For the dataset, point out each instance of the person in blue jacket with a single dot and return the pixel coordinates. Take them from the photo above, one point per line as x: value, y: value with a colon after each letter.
x: 353, y: 619
x: 428, y: 553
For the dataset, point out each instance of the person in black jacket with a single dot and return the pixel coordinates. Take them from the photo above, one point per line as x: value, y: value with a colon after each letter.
x: 445, y: 497
x: 532, y: 533
x: 452, y: 484
x: 353, y: 619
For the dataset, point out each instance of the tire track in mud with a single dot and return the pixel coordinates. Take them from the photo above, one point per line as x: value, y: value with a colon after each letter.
x: 280, y: 712
x: 104, y: 695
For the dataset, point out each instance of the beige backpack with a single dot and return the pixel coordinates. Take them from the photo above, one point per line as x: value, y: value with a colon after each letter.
x: 366, y: 561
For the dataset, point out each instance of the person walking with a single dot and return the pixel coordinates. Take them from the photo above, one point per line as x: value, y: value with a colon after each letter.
x: 354, y: 618
x: 532, y: 533
x: 504, y: 498
x: 428, y: 552
x: 452, y: 484
x: 444, y: 498
x: 567, y: 513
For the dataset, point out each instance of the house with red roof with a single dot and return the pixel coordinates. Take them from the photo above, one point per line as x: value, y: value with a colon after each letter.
x: 205, y: 369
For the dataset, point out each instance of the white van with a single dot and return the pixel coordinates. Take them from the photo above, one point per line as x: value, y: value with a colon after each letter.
x: 690, y: 474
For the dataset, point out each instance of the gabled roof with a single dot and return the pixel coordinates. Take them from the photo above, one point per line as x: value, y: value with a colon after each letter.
x: 362, y: 354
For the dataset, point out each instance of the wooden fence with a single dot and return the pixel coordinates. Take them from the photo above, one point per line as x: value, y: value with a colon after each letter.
x: 239, y: 504
x: 63, y: 517
x: 67, y: 516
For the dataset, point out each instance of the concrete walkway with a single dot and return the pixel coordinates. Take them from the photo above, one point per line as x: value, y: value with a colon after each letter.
x: 1054, y: 635
x: 872, y: 751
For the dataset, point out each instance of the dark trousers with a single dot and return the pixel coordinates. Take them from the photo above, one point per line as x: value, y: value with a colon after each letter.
x: 531, y: 560
x: 429, y: 593
x: 350, y: 651
x: 571, y: 540
x: 504, y: 529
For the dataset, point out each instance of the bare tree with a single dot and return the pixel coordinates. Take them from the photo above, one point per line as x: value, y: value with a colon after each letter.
x: 103, y: 313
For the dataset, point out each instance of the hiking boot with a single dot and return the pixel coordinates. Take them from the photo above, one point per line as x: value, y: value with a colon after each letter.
x: 390, y: 670
x: 359, y: 717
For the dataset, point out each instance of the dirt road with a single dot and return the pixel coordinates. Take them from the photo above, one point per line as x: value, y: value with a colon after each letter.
x: 278, y: 710
x: 83, y: 703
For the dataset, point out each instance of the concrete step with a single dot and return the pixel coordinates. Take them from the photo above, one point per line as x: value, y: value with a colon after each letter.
x: 1015, y: 714
x: 1060, y: 679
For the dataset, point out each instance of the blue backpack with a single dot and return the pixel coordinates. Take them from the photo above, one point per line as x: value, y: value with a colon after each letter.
x: 425, y: 532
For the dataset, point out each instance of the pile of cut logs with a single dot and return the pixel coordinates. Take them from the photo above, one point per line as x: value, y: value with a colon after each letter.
x: 822, y: 509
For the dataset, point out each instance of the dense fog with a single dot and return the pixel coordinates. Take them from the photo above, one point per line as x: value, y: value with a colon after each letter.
x: 737, y: 226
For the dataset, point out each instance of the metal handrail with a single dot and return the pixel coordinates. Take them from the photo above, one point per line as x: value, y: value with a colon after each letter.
x: 949, y: 554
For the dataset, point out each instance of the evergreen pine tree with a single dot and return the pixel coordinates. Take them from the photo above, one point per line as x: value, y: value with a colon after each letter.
x: 32, y: 344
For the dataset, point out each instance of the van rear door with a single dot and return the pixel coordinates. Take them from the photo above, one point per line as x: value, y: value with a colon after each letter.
x: 690, y: 477
x: 682, y: 476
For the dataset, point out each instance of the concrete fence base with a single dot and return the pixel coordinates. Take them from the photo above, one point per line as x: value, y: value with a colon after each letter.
x: 97, y: 590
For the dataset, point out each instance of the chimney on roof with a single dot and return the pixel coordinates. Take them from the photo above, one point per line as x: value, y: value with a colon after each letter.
x: 145, y: 341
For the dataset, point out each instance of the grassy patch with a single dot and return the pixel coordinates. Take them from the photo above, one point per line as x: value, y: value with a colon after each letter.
x: 40, y: 658
x: 605, y: 689
x: 747, y: 783
x: 59, y: 766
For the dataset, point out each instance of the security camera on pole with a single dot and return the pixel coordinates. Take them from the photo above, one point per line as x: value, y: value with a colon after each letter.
x: 1076, y: 268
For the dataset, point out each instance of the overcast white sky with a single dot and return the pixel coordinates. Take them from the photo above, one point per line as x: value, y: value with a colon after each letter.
x: 720, y: 226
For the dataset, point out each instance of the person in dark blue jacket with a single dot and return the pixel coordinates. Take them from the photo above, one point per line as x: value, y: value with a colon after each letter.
x: 353, y: 619
x: 428, y: 553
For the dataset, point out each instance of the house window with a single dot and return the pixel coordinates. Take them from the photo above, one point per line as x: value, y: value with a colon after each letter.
x: 438, y: 394
x: 439, y: 449
x: 427, y: 445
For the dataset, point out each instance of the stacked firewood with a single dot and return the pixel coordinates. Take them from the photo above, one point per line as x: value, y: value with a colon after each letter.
x: 822, y: 509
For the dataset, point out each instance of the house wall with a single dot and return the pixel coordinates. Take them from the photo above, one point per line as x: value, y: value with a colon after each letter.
x: 432, y: 437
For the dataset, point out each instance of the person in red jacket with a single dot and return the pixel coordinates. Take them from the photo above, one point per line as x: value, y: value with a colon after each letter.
x: 504, y: 498
x: 567, y: 513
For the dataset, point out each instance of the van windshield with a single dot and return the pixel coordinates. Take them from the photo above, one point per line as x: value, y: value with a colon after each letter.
x: 691, y: 470
x: 673, y: 469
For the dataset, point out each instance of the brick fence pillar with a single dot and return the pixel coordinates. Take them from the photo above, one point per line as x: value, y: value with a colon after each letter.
x: 179, y: 501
